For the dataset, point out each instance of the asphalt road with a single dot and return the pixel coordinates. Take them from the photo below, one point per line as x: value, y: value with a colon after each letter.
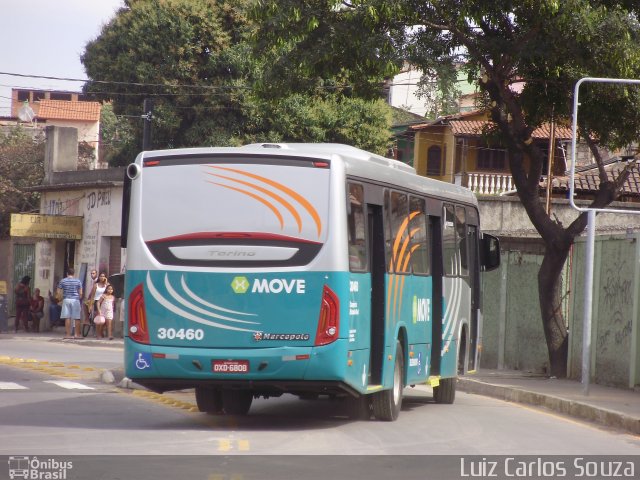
x: 51, y: 410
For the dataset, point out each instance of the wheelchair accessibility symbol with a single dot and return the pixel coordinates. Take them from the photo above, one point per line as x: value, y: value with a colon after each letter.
x: 143, y: 361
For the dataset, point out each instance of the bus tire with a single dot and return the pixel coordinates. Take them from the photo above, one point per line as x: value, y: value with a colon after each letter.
x: 237, y: 402
x: 209, y: 400
x: 387, y: 403
x: 446, y: 391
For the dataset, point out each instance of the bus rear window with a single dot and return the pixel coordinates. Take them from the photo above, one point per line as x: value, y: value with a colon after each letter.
x: 234, y: 213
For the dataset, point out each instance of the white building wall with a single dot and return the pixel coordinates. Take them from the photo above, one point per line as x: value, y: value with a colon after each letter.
x: 403, y: 92
x: 101, y: 211
x: 87, y: 132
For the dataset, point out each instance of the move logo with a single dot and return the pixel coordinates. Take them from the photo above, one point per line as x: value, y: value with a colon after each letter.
x: 421, y: 309
x: 274, y: 285
x: 240, y: 284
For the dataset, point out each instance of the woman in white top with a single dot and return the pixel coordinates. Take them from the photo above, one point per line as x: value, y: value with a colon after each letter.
x: 96, y: 292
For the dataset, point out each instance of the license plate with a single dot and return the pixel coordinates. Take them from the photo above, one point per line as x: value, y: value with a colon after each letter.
x: 230, y: 366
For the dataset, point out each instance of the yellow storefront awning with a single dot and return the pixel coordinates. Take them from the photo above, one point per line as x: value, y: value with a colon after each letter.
x: 46, y: 226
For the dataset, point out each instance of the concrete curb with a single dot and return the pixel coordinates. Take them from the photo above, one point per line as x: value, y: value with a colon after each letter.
x: 117, y: 376
x: 572, y: 408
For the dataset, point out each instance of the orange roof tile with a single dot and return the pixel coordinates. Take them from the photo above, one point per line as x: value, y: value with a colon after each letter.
x: 66, y: 110
x: 590, y: 181
x: 476, y: 127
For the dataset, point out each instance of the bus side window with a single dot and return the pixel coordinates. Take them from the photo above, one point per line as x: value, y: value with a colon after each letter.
x: 356, y: 227
x: 461, y: 228
x: 399, y: 233
x: 449, y: 246
x: 419, y: 237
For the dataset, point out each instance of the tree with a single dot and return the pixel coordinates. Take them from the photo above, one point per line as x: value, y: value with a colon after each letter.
x: 21, y: 166
x: 194, y: 58
x: 117, y: 138
x: 546, y: 44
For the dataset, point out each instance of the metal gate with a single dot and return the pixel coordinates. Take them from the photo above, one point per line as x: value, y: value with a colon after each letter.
x: 24, y: 263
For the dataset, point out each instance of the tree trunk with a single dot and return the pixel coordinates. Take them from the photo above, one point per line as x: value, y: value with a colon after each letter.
x: 550, y: 298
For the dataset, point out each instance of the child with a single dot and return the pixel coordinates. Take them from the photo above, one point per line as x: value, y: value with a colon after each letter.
x: 105, y: 304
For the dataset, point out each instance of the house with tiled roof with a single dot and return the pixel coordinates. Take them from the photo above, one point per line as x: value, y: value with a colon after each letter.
x: 62, y: 109
x: 459, y: 149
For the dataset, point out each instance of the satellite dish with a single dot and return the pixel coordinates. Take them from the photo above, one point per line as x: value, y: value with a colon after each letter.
x: 25, y: 114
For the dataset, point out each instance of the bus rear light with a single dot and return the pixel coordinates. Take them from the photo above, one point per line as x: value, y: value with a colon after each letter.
x: 138, y: 329
x: 329, y: 321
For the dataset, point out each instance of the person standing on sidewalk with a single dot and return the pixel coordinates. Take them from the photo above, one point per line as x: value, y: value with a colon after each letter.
x: 71, y: 289
x: 96, y: 292
x: 106, y: 308
x: 88, y: 302
x: 23, y: 301
x: 36, y: 310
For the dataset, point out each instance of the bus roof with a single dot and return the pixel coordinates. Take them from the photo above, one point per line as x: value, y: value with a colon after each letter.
x: 357, y: 162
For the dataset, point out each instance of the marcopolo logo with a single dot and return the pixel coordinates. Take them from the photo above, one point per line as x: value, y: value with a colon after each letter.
x: 274, y: 285
x: 240, y: 284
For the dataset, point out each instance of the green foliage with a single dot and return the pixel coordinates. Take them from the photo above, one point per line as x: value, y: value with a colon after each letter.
x: 546, y: 45
x: 210, y: 89
x: 21, y: 166
x: 117, y: 138
x: 358, y: 122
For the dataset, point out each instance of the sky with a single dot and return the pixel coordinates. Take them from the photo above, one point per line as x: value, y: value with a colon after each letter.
x: 47, y: 38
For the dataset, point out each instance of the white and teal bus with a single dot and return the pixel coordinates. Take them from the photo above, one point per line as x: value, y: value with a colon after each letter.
x: 309, y: 269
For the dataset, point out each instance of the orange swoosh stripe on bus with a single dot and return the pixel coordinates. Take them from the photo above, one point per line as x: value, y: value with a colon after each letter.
x: 405, y: 265
x: 258, y: 198
x: 275, y: 196
x: 398, y: 257
x: 400, y: 283
x: 301, y: 200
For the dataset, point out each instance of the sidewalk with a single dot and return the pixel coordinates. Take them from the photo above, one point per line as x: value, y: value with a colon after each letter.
x: 607, y: 406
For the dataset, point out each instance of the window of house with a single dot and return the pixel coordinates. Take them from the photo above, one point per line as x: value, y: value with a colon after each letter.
x: 23, y: 95
x: 60, y: 96
x: 434, y: 161
x: 39, y: 95
x: 491, y: 158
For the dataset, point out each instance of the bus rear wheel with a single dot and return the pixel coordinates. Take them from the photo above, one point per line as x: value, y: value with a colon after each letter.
x: 209, y: 400
x: 237, y: 402
x: 387, y: 403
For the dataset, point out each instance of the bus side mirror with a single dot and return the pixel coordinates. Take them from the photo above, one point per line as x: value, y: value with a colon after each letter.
x: 489, y: 252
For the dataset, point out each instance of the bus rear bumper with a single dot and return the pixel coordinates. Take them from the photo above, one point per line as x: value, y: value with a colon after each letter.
x: 272, y: 370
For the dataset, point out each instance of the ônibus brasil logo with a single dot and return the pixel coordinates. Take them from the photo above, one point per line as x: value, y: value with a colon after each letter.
x: 274, y: 285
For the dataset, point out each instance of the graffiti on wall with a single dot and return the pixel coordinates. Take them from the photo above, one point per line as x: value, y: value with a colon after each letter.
x: 616, y: 303
x: 99, y: 198
x: 57, y: 206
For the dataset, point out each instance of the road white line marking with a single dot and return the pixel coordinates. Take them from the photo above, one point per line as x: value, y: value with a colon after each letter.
x: 11, y: 386
x: 69, y: 385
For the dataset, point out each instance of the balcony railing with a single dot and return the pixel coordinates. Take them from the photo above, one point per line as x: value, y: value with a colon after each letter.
x: 485, y: 183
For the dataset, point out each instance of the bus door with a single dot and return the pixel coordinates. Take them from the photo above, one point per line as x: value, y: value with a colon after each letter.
x: 377, y: 267
x: 474, y: 279
x: 437, y: 273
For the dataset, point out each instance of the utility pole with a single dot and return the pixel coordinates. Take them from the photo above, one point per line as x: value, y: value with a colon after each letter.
x: 147, y: 116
